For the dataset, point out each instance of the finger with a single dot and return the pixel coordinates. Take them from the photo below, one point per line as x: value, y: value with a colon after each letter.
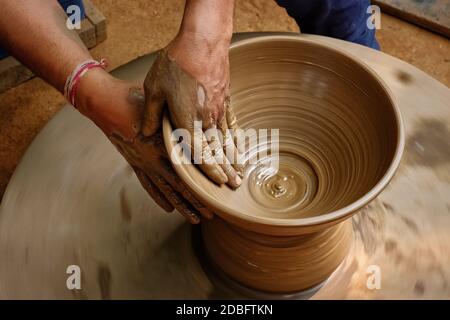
x: 209, y: 112
x: 154, y: 100
x: 238, y: 136
x: 176, y: 199
x: 219, y: 112
x: 203, y: 157
x: 175, y: 181
x: 153, y: 191
x: 233, y: 178
x: 232, y: 153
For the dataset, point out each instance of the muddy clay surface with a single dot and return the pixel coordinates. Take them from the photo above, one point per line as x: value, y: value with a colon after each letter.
x: 102, y: 220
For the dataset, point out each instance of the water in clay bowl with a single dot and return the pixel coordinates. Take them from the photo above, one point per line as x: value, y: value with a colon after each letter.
x: 340, y: 142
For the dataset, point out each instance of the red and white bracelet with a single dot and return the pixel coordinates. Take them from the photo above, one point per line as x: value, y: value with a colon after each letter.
x: 73, y: 80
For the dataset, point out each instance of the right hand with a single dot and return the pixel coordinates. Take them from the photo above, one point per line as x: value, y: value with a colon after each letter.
x: 192, y: 76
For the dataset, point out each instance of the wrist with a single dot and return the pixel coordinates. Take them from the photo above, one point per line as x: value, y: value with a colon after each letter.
x: 221, y: 33
x: 208, y: 19
x: 198, y: 43
x: 90, y: 87
x: 110, y: 103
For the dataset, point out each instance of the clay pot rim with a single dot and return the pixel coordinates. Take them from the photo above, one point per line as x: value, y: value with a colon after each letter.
x: 326, y: 219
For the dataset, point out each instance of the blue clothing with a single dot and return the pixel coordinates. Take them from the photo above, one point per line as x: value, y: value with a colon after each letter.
x: 66, y: 3
x: 342, y: 19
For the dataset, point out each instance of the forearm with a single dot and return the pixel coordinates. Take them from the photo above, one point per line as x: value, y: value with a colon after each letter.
x: 204, y: 37
x: 35, y: 33
x: 210, y: 18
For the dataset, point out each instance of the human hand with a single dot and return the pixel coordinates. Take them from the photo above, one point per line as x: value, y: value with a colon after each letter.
x: 192, y: 76
x: 117, y: 108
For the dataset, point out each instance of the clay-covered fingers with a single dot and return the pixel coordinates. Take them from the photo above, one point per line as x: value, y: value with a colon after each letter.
x: 176, y: 199
x: 232, y: 153
x: 203, y: 156
x: 153, y: 191
x: 238, y: 136
x: 176, y: 183
x: 217, y: 147
x: 216, y: 154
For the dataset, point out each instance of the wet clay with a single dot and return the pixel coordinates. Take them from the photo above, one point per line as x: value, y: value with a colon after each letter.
x: 102, y: 220
x: 340, y: 141
x: 276, y: 264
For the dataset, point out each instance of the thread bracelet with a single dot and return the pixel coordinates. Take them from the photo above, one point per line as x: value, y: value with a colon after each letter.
x: 73, y: 80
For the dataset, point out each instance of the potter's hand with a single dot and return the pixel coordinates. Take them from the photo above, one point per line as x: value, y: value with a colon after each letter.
x: 192, y: 76
x: 197, y: 108
x: 117, y: 108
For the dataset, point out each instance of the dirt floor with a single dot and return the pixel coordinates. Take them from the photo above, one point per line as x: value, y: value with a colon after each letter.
x: 138, y: 27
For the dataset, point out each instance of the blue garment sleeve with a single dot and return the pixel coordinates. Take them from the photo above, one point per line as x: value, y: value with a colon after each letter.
x: 342, y: 19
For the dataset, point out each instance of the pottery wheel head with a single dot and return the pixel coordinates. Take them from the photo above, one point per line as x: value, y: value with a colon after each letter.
x: 336, y: 131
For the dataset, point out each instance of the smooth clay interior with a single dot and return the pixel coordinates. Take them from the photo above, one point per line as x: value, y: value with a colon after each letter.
x: 338, y: 131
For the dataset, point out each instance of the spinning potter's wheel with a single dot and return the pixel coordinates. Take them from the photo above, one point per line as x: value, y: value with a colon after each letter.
x: 73, y: 200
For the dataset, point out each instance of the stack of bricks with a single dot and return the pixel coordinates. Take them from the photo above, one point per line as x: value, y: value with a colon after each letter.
x: 92, y: 32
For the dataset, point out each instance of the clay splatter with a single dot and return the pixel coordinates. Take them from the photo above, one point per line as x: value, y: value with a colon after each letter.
x: 404, y: 77
x: 429, y: 145
x: 124, y: 206
x: 388, y: 207
x: 104, y: 281
x: 368, y: 226
x: 410, y: 224
x: 419, y: 287
x: 390, y: 246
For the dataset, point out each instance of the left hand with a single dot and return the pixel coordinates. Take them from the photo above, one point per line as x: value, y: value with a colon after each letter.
x: 117, y: 107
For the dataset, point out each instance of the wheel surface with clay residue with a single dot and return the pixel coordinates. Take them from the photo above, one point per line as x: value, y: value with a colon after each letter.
x: 73, y: 200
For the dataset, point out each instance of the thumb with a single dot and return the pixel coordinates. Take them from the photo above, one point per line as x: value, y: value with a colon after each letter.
x: 154, y: 102
x: 153, y: 113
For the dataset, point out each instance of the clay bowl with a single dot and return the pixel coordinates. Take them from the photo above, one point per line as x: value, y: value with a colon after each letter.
x: 340, y: 141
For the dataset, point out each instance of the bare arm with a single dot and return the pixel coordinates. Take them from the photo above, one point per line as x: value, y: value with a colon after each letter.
x: 201, y: 48
x: 201, y: 51
x: 35, y: 33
